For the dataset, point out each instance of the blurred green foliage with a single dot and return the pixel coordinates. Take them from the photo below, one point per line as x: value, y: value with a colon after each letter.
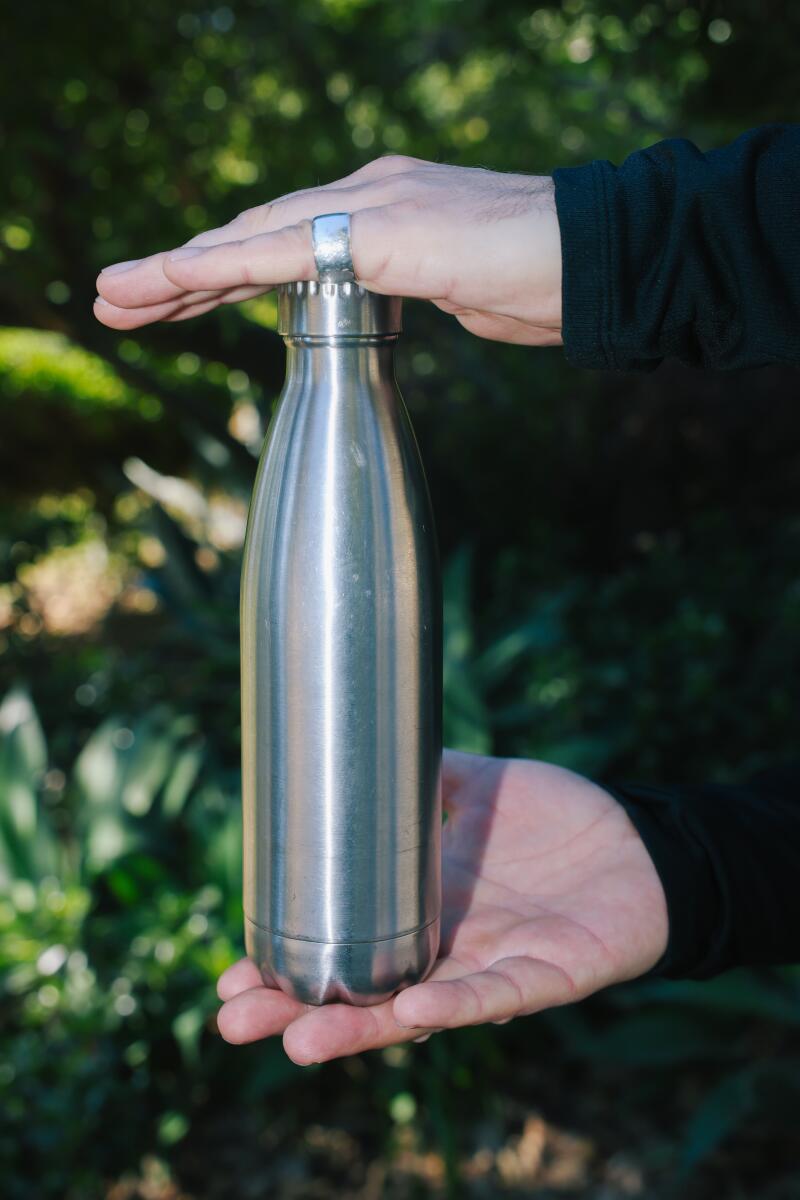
x: 622, y: 596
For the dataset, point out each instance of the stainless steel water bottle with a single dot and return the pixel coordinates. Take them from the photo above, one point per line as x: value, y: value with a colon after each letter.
x: 341, y: 666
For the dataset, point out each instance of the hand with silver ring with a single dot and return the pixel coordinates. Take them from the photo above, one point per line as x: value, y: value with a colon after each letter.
x: 481, y: 245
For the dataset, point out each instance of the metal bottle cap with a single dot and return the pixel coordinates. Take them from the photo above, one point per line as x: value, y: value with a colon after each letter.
x: 328, y: 309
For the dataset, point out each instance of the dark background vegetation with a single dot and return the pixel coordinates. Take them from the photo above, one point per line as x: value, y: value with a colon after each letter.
x: 622, y: 596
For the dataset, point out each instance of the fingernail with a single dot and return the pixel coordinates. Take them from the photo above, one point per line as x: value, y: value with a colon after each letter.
x: 100, y: 300
x: 118, y: 268
x: 425, y: 1036
x: 185, y: 252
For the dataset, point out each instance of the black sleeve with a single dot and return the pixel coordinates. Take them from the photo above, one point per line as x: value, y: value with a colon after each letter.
x: 686, y: 254
x: 729, y: 862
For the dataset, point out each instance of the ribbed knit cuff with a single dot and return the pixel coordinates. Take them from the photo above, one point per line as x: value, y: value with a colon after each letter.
x: 583, y: 221
x: 695, y: 907
x: 728, y: 858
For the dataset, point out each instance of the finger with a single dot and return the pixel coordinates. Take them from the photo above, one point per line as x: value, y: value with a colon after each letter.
x: 238, y: 978
x: 256, y: 1013
x: 265, y: 259
x: 197, y: 309
x: 187, y: 305
x: 144, y: 284
x: 131, y: 318
x: 388, y: 245
x: 140, y: 282
x: 336, y: 1030
x: 134, y: 318
x: 511, y: 987
x: 187, y: 311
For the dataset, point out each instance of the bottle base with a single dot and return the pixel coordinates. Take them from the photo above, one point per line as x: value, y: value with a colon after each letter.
x: 361, y: 973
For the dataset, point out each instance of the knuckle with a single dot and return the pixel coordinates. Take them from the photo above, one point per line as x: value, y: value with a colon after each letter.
x: 245, y: 272
x: 301, y: 231
x: 398, y: 162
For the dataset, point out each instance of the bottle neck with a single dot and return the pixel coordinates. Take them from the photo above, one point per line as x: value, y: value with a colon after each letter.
x: 367, y: 360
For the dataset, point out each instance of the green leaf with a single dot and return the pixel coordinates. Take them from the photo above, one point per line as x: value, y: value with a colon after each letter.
x: 188, y: 1027
x: 172, y: 1127
x: 124, y: 886
x: 180, y: 783
x: 774, y: 996
x: 98, y: 775
x: 649, y: 1038
x: 96, y: 770
x: 28, y: 847
x: 542, y: 632
x: 721, y: 1112
x: 19, y: 725
x: 223, y: 858
x: 120, y: 773
x: 587, y: 753
x: 466, y: 719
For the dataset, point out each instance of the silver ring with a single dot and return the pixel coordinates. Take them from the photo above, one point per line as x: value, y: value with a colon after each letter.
x: 330, y: 237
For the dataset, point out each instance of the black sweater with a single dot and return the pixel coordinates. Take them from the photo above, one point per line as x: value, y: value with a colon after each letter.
x: 697, y: 256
